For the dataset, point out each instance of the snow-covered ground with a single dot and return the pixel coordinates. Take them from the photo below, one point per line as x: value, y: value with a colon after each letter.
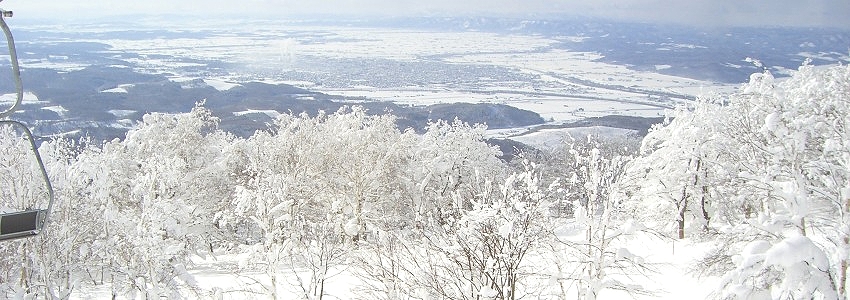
x: 28, y: 98
x: 225, y: 276
x: 552, y: 138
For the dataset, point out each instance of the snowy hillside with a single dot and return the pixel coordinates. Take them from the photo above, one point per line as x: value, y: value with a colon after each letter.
x: 740, y: 196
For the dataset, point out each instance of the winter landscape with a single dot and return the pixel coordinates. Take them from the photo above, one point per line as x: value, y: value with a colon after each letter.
x: 436, y: 156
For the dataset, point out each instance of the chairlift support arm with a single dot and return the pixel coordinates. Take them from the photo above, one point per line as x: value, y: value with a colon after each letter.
x: 29, y: 222
x: 16, y: 69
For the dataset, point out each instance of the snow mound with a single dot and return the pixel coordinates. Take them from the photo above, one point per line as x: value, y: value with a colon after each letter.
x: 269, y: 112
x: 220, y: 84
x: 115, y: 90
x: 794, y: 250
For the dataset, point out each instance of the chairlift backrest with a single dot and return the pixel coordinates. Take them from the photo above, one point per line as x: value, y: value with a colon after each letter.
x: 22, y: 224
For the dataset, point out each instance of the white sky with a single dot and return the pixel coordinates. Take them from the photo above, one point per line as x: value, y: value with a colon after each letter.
x: 831, y: 13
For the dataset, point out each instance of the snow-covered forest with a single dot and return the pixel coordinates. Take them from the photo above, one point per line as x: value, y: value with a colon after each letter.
x: 761, y: 175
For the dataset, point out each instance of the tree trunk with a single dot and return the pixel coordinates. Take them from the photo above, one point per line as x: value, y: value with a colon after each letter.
x: 705, y: 216
x: 703, y: 199
x: 842, y: 274
x: 681, y: 228
x: 682, y: 205
x: 683, y: 208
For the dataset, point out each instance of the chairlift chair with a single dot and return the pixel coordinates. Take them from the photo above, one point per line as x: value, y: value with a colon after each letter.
x: 30, y: 221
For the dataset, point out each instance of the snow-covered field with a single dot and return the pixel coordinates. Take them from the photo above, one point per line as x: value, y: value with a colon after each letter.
x: 422, y: 67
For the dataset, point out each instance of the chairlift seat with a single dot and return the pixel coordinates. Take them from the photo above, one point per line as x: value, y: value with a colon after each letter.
x: 21, y: 224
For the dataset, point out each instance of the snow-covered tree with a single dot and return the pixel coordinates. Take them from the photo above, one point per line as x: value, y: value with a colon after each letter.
x: 764, y: 171
x: 448, y: 158
x: 313, y: 187
x: 436, y: 176
x: 590, y: 252
x: 671, y: 183
x: 775, y: 178
x: 482, y: 253
x: 792, y: 155
x: 129, y: 213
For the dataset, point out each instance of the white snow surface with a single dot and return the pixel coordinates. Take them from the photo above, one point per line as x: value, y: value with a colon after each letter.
x: 58, y: 109
x: 794, y: 250
x: 28, y: 98
x: 119, y: 90
x: 221, y: 85
x: 218, y: 276
x: 121, y: 112
x: 268, y: 112
x: 552, y: 138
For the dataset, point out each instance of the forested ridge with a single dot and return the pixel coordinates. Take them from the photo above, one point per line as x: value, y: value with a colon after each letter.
x: 763, y: 174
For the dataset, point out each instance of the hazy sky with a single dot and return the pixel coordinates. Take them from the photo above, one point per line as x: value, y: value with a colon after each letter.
x: 832, y: 13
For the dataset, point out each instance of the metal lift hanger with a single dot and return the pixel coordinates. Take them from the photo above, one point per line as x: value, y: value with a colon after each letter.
x: 31, y: 221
